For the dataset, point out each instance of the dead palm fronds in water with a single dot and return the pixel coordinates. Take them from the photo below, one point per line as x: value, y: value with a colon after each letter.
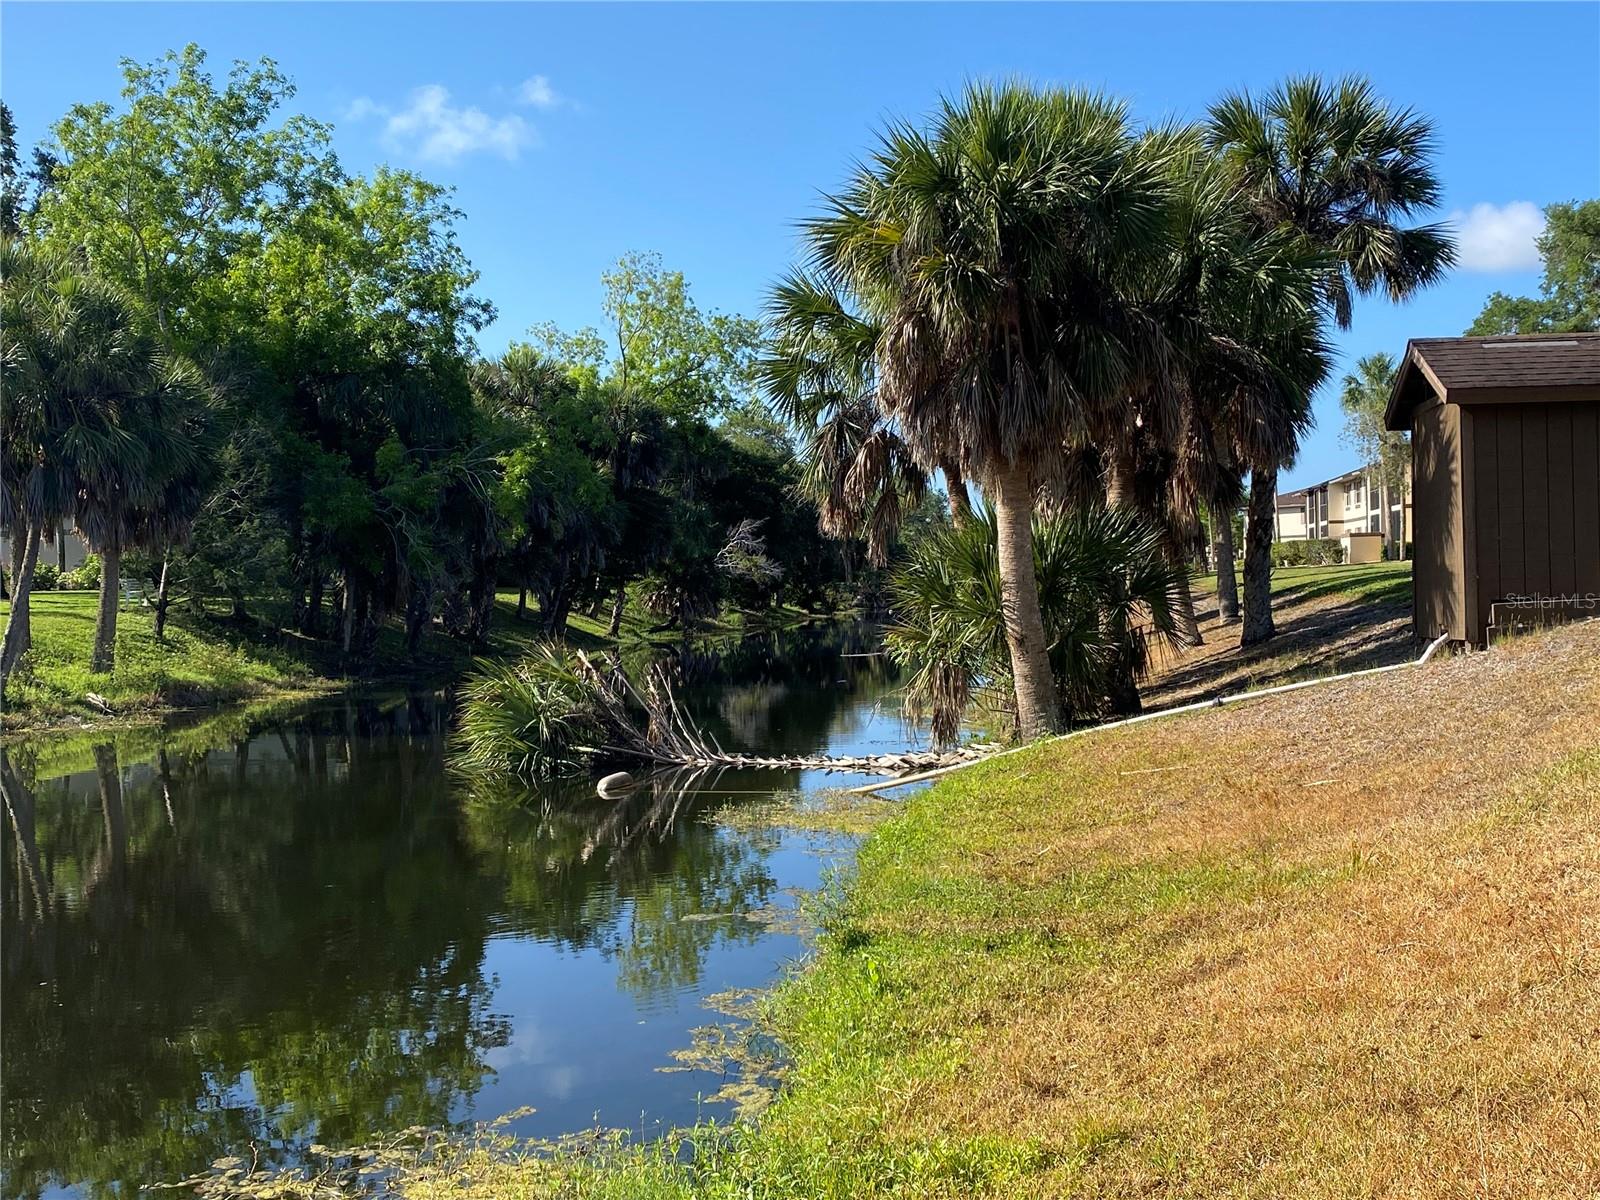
x: 558, y: 711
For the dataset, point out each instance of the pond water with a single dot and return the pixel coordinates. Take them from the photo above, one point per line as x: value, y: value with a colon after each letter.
x: 302, y: 927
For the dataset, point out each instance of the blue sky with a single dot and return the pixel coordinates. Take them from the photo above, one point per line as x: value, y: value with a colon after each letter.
x: 573, y: 133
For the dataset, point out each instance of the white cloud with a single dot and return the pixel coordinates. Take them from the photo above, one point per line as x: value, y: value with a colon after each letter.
x: 1498, y: 238
x: 432, y: 129
x: 538, y: 93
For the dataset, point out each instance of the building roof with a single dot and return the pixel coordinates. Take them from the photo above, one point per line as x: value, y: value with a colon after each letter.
x: 1298, y: 496
x: 1466, y: 370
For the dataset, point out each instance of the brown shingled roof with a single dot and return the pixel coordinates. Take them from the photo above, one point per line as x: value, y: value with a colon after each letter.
x: 1465, y: 365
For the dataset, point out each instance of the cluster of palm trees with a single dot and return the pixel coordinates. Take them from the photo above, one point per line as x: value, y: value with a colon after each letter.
x: 1032, y: 294
x: 103, y: 429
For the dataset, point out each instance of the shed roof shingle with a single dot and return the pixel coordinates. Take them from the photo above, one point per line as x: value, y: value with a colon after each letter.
x: 1531, y: 360
x: 1466, y: 365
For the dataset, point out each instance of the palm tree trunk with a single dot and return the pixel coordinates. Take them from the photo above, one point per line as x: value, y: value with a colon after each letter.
x: 1119, y: 478
x: 617, y: 607
x: 1222, y: 551
x: 311, y: 625
x: 105, y: 625
x: 1258, y: 557
x: 162, y: 600
x: 1038, y: 709
x: 1188, y: 624
x: 522, y: 604
x: 348, y: 633
x: 955, y: 482
x: 19, y: 629
x: 61, y: 546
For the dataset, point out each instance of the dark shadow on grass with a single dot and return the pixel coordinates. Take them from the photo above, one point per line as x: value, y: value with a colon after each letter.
x: 1328, y: 640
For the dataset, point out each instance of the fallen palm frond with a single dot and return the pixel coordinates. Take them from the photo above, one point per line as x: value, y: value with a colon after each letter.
x: 558, y: 711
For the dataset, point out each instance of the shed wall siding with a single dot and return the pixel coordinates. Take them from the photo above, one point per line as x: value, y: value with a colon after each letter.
x: 1535, y: 501
x: 1436, y: 501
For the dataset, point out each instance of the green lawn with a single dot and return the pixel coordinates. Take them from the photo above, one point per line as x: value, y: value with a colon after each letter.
x: 198, y: 664
x: 1370, y: 581
x: 210, y: 660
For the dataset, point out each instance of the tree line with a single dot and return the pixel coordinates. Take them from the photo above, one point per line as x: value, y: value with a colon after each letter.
x: 251, y: 376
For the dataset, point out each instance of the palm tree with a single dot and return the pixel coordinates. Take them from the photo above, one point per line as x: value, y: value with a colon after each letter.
x: 1335, y: 164
x: 148, y: 496
x: 989, y: 251
x: 1108, y: 589
x: 1364, y: 396
x: 1236, y: 307
x: 820, y: 374
x: 73, y: 361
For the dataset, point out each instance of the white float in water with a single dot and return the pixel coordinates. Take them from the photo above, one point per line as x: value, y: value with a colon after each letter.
x: 614, y: 784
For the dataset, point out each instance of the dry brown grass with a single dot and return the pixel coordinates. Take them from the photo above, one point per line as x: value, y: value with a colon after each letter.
x: 1392, y: 993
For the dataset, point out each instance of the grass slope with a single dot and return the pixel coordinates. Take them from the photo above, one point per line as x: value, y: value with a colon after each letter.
x: 209, y: 661
x: 1334, y: 943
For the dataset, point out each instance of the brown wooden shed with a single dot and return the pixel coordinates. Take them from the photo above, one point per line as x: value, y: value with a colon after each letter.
x: 1505, y: 455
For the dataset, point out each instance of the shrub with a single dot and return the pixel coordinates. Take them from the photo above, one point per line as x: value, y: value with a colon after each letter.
x: 85, y: 578
x: 45, y: 577
x: 1105, y: 586
x: 1316, y: 552
x: 534, y: 717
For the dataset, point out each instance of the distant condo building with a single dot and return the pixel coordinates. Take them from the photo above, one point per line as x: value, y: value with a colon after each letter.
x: 1354, y: 508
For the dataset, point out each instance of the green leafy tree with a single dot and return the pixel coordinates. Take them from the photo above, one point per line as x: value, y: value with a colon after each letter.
x: 660, y: 374
x: 168, y: 193
x: 1569, y: 294
x: 11, y: 185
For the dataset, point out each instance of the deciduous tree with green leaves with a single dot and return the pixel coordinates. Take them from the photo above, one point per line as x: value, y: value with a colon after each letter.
x: 1569, y: 294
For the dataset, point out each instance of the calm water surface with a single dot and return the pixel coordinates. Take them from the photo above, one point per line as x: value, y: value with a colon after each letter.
x: 305, y: 928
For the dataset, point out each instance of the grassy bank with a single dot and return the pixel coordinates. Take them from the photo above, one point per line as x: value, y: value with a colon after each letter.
x: 1383, y: 581
x: 208, y: 660
x: 1335, y: 943
x: 200, y: 663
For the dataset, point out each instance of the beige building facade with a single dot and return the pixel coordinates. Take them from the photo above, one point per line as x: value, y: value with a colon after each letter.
x: 1356, y: 508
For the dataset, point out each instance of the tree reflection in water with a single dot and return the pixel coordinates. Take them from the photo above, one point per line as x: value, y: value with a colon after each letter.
x: 277, y: 934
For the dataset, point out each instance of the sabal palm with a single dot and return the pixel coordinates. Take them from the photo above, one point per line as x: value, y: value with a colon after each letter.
x: 1235, y: 307
x: 1364, y: 394
x: 75, y: 362
x: 820, y: 373
x: 146, y: 495
x: 1108, y: 588
x: 1336, y: 165
x: 990, y: 250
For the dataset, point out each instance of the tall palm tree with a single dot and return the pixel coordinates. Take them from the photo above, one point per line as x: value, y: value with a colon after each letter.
x: 149, y: 493
x: 74, y: 360
x: 989, y: 249
x: 1236, y: 306
x: 1340, y: 167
